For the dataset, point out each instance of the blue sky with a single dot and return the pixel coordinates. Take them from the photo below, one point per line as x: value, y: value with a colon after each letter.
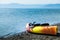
x: 30, y: 1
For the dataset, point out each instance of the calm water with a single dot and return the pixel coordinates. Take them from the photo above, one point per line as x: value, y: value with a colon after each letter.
x: 14, y: 20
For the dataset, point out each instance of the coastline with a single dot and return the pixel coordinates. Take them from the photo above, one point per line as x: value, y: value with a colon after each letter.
x: 28, y: 36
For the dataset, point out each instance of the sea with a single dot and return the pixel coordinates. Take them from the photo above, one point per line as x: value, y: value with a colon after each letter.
x: 14, y: 20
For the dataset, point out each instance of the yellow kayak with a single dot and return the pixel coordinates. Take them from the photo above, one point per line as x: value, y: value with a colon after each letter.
x: 42, y: 29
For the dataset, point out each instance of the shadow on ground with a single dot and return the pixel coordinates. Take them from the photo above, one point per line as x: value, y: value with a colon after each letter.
x: 58, y: 34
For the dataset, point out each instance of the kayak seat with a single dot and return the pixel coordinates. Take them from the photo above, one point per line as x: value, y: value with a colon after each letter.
x: 44, y: 24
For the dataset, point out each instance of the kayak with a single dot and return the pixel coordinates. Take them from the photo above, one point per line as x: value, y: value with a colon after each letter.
x: 42, y: 29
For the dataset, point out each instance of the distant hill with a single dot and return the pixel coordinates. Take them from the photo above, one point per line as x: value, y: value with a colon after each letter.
x: 14, y: 5
x: 52, y: 6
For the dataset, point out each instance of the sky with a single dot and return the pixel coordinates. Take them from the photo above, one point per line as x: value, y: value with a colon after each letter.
x: 30, y: 1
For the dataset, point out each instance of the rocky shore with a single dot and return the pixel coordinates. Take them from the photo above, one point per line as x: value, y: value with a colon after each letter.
x: 29, y: 36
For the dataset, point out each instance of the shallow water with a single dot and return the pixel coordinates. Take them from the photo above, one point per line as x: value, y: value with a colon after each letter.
x: 13, y: 20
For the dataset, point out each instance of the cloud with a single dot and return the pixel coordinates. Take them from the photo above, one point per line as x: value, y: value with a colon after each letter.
x: 39, y: 1
x: 30, y: 1
x: 6, y: 1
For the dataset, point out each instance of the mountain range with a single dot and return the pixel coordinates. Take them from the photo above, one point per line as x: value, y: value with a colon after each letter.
x: 15, y: 5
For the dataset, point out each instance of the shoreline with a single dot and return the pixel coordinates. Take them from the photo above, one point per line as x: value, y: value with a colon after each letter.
x: 29, y: 36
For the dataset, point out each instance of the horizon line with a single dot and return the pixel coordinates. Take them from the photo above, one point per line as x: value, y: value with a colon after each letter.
x: 29, y: 4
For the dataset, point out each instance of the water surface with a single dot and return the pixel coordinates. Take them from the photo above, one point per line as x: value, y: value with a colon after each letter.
x: 13, y: 20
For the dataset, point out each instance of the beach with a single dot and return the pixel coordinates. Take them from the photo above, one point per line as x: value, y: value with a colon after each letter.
x: 29, y: 36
